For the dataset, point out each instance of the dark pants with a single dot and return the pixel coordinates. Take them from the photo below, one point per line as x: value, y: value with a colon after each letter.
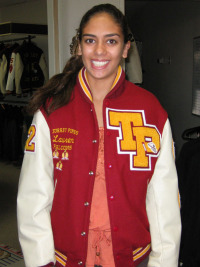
x: 144, y: 263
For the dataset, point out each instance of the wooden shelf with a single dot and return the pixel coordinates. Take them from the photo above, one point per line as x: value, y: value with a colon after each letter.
x: 8, y: 28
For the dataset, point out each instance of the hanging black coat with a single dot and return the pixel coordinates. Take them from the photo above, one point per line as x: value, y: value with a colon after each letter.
x: 188, y: 167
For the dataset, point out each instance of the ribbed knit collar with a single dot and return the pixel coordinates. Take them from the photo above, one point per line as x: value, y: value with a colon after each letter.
x: 82, y: 77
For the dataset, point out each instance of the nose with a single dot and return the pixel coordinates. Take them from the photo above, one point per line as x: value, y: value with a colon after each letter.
x: 100, y: 48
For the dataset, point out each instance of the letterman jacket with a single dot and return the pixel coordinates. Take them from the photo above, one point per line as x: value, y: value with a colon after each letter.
x: 57, y: 178
x: 20, y: 79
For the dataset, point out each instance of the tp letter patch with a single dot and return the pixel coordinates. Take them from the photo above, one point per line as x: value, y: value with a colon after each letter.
x: 136, y: 138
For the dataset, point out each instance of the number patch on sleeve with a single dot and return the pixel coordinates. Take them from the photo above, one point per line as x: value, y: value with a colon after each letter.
x: 30, y: 144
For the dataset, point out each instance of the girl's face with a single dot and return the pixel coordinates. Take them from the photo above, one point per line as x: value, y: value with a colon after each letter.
x: 102, y: 47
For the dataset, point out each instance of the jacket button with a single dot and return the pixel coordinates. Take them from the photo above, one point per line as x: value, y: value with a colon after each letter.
x: 115, y: 228
x: 86, y: 204
x: 83, y: 233
x: 80, y: 263
x: 112, y: 197
x: 109, y: 166
x: 91, y: 173
x: 107, y: 102
x: 94, y: 141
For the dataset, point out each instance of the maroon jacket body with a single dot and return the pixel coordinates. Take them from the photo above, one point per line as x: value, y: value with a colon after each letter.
x: 133, y: 123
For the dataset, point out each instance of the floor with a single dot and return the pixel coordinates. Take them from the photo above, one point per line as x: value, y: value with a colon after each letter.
x: 9, y: 177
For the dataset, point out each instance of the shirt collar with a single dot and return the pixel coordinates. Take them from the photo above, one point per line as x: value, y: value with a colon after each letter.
x: 82, y: 77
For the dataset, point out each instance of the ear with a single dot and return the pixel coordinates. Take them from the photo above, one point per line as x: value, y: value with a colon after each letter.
x: 126, y: 48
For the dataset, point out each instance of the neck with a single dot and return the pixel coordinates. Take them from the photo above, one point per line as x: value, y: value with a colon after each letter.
x: 100, y: 89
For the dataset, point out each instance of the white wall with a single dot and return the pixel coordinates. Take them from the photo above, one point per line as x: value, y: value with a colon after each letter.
x: 167, y: 29
x: 33, y: 12
x: 27, y: 12
x: 69, y: 16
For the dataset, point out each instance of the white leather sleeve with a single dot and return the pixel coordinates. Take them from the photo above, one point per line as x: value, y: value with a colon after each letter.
x: 35, y: 196
x: 163, y: 210
x: 11, y: 74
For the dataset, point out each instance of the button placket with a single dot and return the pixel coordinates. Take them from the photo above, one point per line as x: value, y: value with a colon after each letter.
x: 108, y: 133
x: 111, y: 197
x: 107, y: 102
x: 115, y: 228
x: 83, y: 233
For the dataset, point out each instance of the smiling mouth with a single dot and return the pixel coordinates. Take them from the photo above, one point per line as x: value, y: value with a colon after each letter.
x: 99, y: 63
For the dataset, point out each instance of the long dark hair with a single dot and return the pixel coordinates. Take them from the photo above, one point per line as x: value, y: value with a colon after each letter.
x: 57, y: 92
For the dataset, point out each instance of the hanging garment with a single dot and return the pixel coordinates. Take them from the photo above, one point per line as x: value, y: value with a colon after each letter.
x: 5, y: 56
x: 11, y: 74
x: 28, y: 67
x: 2, y: 46
x: 189, y: 186
x: 133, y: 65
x: 2, y: 119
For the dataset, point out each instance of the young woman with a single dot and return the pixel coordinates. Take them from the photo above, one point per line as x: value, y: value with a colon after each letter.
x: 98, y: 184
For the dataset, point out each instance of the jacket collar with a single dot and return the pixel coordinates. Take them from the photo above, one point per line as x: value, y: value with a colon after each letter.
x: 84, y: 84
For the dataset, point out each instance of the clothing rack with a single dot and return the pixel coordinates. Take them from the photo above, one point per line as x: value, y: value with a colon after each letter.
x: 16, y: 30
x: 29, y: 37
x: 11, y: 101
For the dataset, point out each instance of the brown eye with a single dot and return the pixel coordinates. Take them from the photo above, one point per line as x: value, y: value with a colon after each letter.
x: 111, y: 41
x: 89, y: 41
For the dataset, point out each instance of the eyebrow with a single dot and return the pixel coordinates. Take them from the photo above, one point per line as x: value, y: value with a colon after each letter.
x: 107, y: 35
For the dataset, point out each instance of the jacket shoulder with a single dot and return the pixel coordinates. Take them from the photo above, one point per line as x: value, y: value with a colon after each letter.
x: 144, y: 98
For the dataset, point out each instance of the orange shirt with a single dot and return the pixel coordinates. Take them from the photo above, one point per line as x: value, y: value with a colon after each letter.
x: 99, y: 239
